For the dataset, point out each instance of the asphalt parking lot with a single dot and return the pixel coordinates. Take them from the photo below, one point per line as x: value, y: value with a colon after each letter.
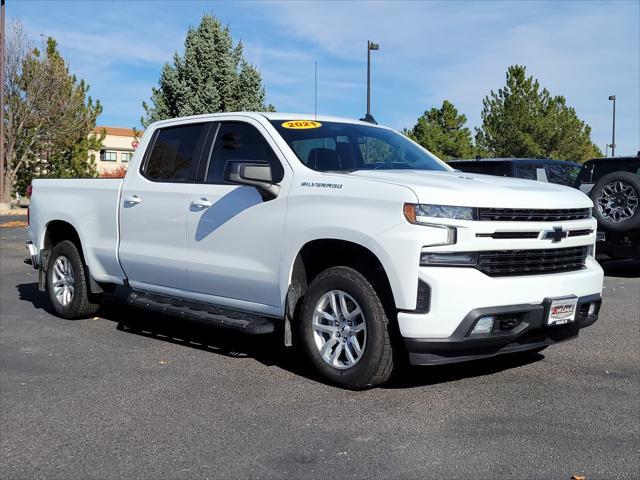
x: 135, y: 395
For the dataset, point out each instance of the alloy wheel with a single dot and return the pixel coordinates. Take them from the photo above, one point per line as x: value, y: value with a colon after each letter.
x: 339, y: 329
x: 617, y: 201
x: 63, y: 280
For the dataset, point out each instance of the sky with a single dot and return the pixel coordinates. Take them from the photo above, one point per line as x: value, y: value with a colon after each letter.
x: 429, y: 51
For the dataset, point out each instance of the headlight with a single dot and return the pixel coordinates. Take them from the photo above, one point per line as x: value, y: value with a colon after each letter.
x: 420, y: 213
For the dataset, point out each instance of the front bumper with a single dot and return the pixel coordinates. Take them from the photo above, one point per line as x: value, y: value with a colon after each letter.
x: 530, y: 332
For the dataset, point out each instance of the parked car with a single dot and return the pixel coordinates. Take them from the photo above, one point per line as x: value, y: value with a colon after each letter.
x: 614, y: 186
x: 346, y: 236
x: 541, y: 169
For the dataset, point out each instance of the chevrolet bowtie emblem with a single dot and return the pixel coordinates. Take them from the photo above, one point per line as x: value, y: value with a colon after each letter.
x: 555, y: 235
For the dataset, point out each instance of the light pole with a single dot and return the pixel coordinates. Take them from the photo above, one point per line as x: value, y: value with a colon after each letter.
x: 370, y: 46
x: 613, y: 133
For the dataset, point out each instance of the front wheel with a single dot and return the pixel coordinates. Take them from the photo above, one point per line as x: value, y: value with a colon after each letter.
x: 345, y: 329
x: 67, y: 283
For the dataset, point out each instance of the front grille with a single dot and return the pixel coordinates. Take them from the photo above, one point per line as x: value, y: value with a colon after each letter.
x: 508, y: 235
x: 530, y: 262
x: 579, y: 233
x: 532, y: 214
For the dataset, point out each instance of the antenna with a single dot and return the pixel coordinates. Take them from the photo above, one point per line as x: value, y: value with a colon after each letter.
x: 315, y: 92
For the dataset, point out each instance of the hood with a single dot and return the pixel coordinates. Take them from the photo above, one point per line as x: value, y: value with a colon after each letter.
x: 477, y: 190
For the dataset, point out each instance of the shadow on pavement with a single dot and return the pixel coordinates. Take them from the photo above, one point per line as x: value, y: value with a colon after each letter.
x: 266, y: 349
x: 29, y: 292
x: 411, y: 376
x: 621, y: 268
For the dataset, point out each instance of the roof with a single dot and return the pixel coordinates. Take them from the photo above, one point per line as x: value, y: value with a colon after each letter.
x: 613, y: 160
x: 309, y: 116
x: 269, y: 116
x: 117, y: 131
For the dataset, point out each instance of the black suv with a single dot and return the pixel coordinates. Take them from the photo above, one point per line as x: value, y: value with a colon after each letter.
x: 612, y: 183
x: 541, y: 169
x: 614, y: 186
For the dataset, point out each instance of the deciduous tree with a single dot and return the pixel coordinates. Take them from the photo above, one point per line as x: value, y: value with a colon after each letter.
x: 49, y: 119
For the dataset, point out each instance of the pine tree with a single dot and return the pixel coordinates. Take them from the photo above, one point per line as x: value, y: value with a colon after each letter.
x: 212, y: 76
x: 442, y: 132
x: 523, y: 120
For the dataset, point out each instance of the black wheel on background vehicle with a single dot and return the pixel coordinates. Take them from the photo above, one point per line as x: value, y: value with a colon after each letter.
x: 68, y: 284
x: 616, y: 199
x: 345, y: 330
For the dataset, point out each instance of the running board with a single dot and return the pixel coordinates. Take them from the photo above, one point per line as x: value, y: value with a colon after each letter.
x: 222, y: 317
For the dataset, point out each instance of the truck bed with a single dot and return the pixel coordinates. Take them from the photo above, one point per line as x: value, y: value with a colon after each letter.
x: 91, y: 207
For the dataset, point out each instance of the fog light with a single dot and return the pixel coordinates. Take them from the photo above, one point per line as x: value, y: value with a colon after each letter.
x: 484, y: 325
x: 592, y: 308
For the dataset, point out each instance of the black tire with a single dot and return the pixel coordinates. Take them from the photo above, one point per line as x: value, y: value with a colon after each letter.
x: 83, y: 303
x: 376, y: 363
x: 604, y: 196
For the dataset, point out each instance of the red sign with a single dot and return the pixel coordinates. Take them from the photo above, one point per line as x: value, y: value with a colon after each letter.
x: 134, y: 143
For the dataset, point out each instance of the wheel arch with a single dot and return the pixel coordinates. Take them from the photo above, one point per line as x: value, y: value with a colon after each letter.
x: 56, y: 231
x: 319, y: 254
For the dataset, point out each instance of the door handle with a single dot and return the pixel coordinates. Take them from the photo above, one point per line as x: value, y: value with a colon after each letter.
x: 133, y: 199
x: 201, y: 203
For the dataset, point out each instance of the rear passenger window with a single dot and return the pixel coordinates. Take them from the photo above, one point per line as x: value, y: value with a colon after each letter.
x: 526, y: 171
x: 175, y: 153
x: 237, y: 141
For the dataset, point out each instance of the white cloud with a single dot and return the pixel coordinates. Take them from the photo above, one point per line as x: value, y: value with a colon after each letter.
x: 460, y: 51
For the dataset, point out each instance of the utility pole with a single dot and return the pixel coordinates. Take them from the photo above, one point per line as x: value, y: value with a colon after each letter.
x: 370, y: 46
x: 613, y: 133
x: 2, y: 42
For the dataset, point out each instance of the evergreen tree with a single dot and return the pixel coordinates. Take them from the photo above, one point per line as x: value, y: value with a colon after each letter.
x: 442, y: 132
x: 523, y: 120
x: 212, y: 76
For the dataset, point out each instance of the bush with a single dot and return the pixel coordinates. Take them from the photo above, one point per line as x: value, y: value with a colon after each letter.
x: 117, y: 172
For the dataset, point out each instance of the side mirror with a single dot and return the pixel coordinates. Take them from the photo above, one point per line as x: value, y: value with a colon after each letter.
x: 256, y: 174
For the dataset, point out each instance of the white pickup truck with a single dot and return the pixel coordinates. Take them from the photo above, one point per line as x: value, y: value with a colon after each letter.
x: 346, y: 236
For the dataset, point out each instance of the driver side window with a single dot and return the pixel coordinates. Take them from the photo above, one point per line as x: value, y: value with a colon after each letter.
x: 238, y: 141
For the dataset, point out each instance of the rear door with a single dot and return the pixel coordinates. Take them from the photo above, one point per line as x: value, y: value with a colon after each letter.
x: 154, y: 207
x: 234, y: 233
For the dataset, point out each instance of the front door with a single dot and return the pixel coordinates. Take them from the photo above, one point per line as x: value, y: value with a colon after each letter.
x: 234, y: 235
x: 154, y: 208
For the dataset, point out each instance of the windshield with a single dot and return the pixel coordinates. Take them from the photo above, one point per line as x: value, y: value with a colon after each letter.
x: 334, y: 146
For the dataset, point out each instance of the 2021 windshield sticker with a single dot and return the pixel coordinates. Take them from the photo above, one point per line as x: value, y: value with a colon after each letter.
x: 321, y: 185
x: 301, y: 124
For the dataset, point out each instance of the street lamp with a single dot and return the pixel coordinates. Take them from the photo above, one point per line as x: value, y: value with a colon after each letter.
x: 613, y: 133
x: 370, y: 46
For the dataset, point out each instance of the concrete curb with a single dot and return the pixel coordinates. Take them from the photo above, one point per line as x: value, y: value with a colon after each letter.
x: 13, y: 211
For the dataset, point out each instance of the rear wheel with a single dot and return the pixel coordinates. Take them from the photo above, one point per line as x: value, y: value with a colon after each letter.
x: 67, y: 283
x: 345, y: 329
